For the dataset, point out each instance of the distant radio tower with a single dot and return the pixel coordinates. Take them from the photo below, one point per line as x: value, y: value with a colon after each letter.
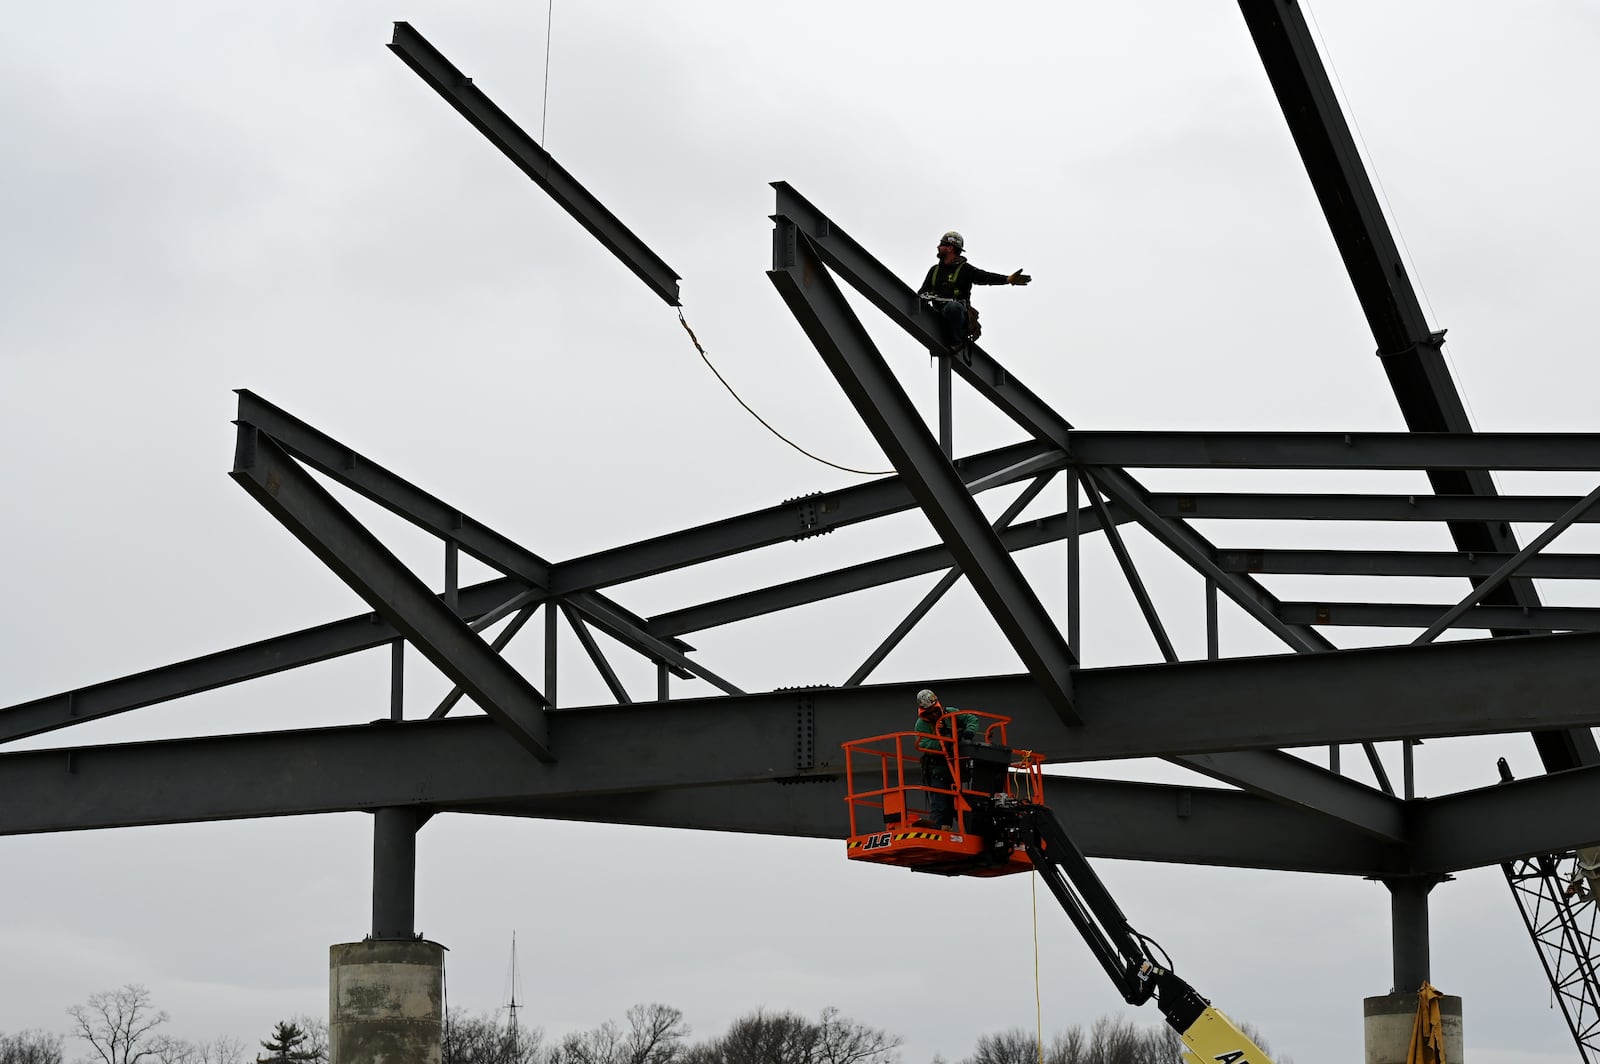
x: 512, y: 1004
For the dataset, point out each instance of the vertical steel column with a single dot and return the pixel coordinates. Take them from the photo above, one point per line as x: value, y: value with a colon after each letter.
x: 1074, y: 570
x: 394, y: 873
x: 1408, y: 916
x: 1408, y: 768
x: 550, y: 632
x: 452, y: 575
x: 663, y: 682
x: 397, y: 678
x: 947, y: 419
x: 1213, y: 639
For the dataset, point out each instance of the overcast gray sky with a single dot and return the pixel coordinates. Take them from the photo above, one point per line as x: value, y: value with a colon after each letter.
x: 200, y: 197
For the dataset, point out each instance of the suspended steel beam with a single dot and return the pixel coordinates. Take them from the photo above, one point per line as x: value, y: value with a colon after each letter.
x: 850, y: 355
x: 1106, y: 818
x: 306, y: 509
x: 1416, y: 615
x: 1208, y: 506
x: 525, y: 153
x: 1563, y: 451
x: 409, y: 502
x: 996, y: 384
x: 1405, y: 563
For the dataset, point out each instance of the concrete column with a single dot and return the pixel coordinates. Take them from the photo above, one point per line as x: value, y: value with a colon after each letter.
x: 1388, y: 1021
x: 385, y: 1002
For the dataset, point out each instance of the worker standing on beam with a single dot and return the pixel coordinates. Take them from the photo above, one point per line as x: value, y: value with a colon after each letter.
x: 948, y: 287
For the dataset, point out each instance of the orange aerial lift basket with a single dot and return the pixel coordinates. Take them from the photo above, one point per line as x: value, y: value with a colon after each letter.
x: 894, y: 813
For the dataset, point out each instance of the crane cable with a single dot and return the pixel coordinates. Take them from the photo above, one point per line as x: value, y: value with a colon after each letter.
x: 817, y: 458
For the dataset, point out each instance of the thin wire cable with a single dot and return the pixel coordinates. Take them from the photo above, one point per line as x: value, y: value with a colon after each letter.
x: 706, y: 358
x: 1038, y: 1005
x: 1394, y: 219
x: 544, y: 114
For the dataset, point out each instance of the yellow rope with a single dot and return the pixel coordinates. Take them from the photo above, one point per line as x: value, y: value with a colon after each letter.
x: 1038, y: 1007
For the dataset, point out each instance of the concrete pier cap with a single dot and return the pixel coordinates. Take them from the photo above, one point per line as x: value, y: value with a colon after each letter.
x: 1388, y: 1021
x: 386, y: 1002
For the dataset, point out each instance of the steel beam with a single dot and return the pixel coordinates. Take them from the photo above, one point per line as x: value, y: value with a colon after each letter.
x: 1507, y: 821
x: 1510, y: 567
x: 1106, y: 819
x: 210, y: 671
x: 410, y: 503
x: 590, y: 647
x: 996, y: 384
x: 1405, y: 563
x: 306, y: 509
x: 1417, y: 615
x: 850, y: 355
x: 1307, y: 506
x: 810, y: 515
x: 1560, y: 451
x: 523, y: 151
x: 849, y: 579
x: 940, y: 589
x: 1158, y: 710
x: 1287, y: 779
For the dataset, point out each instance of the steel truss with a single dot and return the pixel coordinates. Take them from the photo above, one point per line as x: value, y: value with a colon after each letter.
x: 767, y: 761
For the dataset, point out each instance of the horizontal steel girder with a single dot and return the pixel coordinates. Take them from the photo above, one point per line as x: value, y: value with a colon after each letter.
x: 1106, y: 818
x: 1538, y: 815
x: 1406, y: 563
x: 1481, y: 687
x: 1020, y: 536
x: 1563, y: 451
x: 1207, y: 506
x: 354, y: 554
x: 883, y: 405
x: 1418, y: 615
x: 458, y: 90
x: 1289, y: 780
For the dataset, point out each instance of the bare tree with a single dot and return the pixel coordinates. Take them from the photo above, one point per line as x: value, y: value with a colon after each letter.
x: 316, y: 1029
x: 843, y: 1041
x: 119, y: 1025
x: 30, y: 1047
x: 472, y: 1039
x: 1015, y: 1046
x: 656, y: 1035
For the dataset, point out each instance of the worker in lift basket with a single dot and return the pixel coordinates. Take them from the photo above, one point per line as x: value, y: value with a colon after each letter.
x: 937, y: 730
x: 948, y: 287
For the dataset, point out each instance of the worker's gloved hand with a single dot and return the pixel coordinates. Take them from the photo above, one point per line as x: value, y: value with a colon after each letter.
x: 1018, y: 278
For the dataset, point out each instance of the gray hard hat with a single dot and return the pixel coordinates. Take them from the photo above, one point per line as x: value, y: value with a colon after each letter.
x: 926, y: 699
x: 953, y: 238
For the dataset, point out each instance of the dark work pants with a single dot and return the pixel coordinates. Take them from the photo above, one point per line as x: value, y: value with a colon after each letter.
x: 936, y: 773
x: 953, y: 319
